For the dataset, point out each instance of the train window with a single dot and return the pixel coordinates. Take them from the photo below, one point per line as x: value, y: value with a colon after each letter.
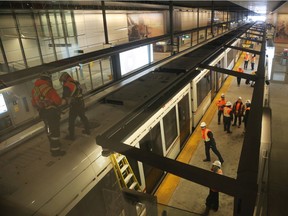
x: 152, y: 142
x: 170, y: 127
x: 230, y: 56
x: 203, y: 88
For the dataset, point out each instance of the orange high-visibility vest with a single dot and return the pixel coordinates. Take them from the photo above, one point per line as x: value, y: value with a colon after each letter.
x: 205, y: 135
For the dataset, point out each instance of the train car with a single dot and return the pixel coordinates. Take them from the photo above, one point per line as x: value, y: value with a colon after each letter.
x: 36, y: 184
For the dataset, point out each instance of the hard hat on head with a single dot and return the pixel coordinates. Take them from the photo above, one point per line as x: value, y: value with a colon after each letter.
x: 64, y: 77
x: 228, y: 103
x: 203, y: 124
x: 239, y: 98
x: 45, y: 76
x: 217, y: 163
x: 222, y: 95
x: 248, y: 101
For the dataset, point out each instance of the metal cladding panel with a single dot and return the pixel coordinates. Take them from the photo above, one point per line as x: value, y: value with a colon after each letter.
x: 179, y: 65
x: 142, y: 90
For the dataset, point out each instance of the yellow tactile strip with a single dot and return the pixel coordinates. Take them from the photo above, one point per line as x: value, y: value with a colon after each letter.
x: 170, y: 182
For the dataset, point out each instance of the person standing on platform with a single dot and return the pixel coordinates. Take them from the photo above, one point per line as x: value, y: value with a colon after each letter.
x: 240, y: 70
x: 228, y: 117
x: 220, y: 104
x: 238, y: 109
x: 246, y: 60
x: 209, y: 141
x: 253, y: 60
x: 246, y: 113
x: 212, y: 200
x: 72, y: 92
x: 47, y: 101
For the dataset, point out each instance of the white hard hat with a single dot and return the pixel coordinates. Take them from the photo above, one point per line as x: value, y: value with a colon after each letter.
x: 217, y: 163
x: 248, y: 101
x: 228, y: 103
x: 222, y: 95
x: 203, y: 124
x: 240, y: 98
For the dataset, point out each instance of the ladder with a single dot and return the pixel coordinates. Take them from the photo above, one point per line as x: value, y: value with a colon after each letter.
x: 124, y: 172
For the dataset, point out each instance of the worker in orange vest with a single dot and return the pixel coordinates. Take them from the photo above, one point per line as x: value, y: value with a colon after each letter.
x: 72, y: 92
x: 212, y: 200
x: 220, y: 104
x: 47, y: 101
x: 228, y: 116
x: 240, y: 70
x: 209, y: 141
x: 246, y: 60
x: 238, y: 109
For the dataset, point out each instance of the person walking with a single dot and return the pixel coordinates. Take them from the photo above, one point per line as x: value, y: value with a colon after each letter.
x: 228, y: 116
x: 238, y: 109
x: 209, y: 141
x: 246, y: 113
x: 47, y: 101
x: 246, y: 60
x: 240, y: 70
x: 220, y: 104
x: 212, y: 200
x: 72, y: 92
x: 253, y: 60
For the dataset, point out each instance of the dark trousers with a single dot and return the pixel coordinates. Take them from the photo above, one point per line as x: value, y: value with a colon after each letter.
x: 252, y: 66
x: 51, y: 118
x: 238, y: 81
x: 77, y: 109
x: 227, y: 124
x: 212, y: 200
x: 245, y: 64
x: 239, y: 119
x: 214, y: 149
x: 220, y: 113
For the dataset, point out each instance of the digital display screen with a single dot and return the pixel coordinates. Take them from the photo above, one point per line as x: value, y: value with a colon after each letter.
x: 3, y: 107
x: 135, y: 58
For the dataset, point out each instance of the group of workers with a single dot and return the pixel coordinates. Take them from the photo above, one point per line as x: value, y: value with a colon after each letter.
x: 230, y: 112
x: 49, y: 105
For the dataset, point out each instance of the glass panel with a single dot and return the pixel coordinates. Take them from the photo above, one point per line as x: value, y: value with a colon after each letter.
x: 10, y: 40
x: 202, y: 35
x: 96, y: 74
x: 44, y: 38
x: 209, y: 33
x: 161, y: 50
x: 204, y: 17
x: 106, y: 70
x: 170, y: 127
x: 29, y: 39
x: 194, y: 39
x: 90, y: 30
x: 185, y: 42
x: 152, y: 142
x: 203, y: 88
x: 184, y: 119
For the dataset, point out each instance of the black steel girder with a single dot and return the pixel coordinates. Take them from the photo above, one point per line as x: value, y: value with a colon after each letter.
x: 254, y: 40
x: 244, y: 49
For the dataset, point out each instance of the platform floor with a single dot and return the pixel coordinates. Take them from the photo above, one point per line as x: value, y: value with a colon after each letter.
x: 186, y: 195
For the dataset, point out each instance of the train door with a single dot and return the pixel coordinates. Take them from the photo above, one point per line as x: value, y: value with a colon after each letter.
x: 213, y: 84
x: 184, y: 119
x: 152, y: 142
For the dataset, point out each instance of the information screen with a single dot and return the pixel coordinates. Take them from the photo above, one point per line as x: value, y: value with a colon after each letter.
x: 3, y: 107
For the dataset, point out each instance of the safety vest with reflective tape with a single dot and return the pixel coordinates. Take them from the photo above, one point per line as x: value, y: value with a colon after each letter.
x: 39, y: 94
x: 227, y: 111
x: 205, y: 135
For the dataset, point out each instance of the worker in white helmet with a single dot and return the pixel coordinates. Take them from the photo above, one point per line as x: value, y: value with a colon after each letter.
x: 228, y: 116
x: 209, y: 141
x: 212, y: 200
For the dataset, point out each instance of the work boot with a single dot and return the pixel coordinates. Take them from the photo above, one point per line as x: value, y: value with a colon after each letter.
x: 58, y: 153
x: 206, y: 160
